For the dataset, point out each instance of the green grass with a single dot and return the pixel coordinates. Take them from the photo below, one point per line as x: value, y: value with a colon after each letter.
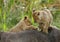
x: 12, y: 11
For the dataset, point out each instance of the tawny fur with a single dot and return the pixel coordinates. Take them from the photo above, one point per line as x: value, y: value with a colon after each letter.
x: 24, y: 24
x: 44, y: 18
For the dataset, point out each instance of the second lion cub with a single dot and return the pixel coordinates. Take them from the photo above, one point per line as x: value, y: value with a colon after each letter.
x: 44, y: 18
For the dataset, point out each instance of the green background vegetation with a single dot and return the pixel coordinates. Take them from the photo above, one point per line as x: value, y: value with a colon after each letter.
x: 11, y: 11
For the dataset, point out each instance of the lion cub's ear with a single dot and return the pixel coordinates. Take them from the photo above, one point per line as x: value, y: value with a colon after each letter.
x: 33, y: 10
x: 25, y: 17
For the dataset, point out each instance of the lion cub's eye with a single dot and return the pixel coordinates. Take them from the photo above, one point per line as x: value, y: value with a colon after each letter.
x: 41, y: 23
x: 38, y: 13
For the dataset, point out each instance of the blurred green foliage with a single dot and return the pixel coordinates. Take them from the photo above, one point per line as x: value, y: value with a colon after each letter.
x: 11, y: 11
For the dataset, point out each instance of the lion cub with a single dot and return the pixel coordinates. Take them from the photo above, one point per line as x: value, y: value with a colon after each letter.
x: 24, y: 24
x: 44, y: 18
